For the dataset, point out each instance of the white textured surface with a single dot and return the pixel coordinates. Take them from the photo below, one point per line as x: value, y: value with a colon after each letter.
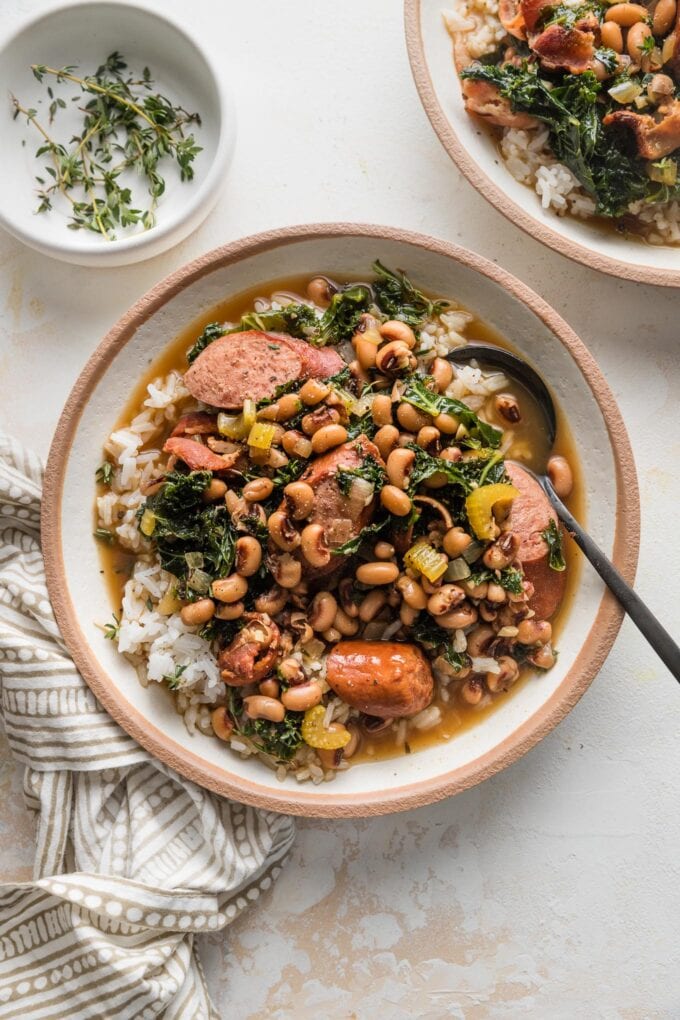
x: 553, y: 890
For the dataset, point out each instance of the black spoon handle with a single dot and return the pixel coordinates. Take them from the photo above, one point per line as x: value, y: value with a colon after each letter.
x: 648, y: 625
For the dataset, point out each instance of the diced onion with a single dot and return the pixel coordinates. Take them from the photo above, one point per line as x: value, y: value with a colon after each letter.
x: 482, y: 664
x: 457, y: 570
x: 199, y: 581
x: 664, y: 172
x: 473, y: 552
x: 194, y: 560
x: 362, y: 491
x: 625, y: 91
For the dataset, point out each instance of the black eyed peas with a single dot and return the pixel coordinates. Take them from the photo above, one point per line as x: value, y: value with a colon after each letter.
x: 299, y: 499
x: 316, y: 420
x: 407, y: 614
x: 428, y: 438
x: 302, y: 697
x: 257, y: 706
x: 296, y: 444
x: 320, y: 291
x: 283, y: 532
x: 378, y: 572
x: 560, y: 476
x: 381, y: 409
x: 412, y: 592
x: 230, y: 589
x: 612, y: 36
x: 399, y: 332
x: 458, y: 619
x: 395, y: 500
x: 314, y: 391
x: 543, y: 657
x: 216, y: 490
x: 286, y: 570
x: 505, y: 678
x: 495, y: 593
x: 455, y: 542
x: 663, y: 18
x: 395, y: 358
x: 375, y: 600
x: 347, y: 593
x: 472, y: 691
x: 288, y: 406
x: 258, y: 490
x: 323, y: 610
x: 479, y: 639
x: 230, y: 610
x: 383, y: 550
x: 399, y: 466
x: 410, y: 418
x: 636, y: 40
x: 328, y: 437
x: 270, y: 688
x: 626, y: 14
x: 271, y: 602
x: 534, y: 632
x: 248, y: 556
x: 447, y: 424
x: 445, y: 599
x: 508, y: 407
x: 442, y: 372
x: 314, y: 547
x: 221, y: 723
x: 386, y: 438
x: 502, y: 552
x: 345, y: 624
x: 197, y: 613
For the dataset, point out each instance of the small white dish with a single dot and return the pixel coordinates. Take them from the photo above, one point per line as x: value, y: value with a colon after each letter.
x: 85, y: 34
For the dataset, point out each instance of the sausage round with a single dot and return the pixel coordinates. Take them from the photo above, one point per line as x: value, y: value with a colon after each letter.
x: 252, y: 364
x: 382, y: 678
x: 530, y: 515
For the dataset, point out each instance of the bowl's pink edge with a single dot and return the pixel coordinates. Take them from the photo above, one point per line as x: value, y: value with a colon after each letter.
x: 495, y: 195
x: 330, y: 803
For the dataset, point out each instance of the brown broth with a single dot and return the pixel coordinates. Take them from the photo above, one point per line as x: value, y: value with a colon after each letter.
x: 529, y: 445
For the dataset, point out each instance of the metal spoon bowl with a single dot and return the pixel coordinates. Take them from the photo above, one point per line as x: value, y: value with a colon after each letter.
x: 648, y: 625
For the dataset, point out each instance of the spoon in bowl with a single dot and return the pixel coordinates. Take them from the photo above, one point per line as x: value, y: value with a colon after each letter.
x: 648, y: 625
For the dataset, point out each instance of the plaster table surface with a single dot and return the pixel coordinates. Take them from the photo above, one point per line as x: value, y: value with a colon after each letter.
x: 552, y: 890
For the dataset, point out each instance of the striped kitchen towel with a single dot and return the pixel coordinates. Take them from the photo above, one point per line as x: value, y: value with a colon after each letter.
x: 132, y: 862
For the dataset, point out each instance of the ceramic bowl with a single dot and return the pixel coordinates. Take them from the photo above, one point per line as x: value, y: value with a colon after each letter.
x: 472, y: 146
x: 85, y: 34
x: 81, y: 601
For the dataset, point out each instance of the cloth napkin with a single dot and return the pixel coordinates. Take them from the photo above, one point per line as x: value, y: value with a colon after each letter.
x: 132, y: 862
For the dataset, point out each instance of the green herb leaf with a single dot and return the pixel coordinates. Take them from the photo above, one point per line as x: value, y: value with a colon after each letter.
x: 174, y: 680
x: 553, y: 539
x: 480, y: 433
x: 370, y: 470
x: 210, y: 332
x: 112, y: 630
x: 398, y: 298
x: 104, y: 473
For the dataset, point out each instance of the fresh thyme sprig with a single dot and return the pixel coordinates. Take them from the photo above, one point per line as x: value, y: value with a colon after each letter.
x: 127, y: 126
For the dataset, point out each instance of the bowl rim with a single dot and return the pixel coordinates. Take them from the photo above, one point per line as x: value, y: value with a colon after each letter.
x: 600, y: 638
x: 494, y: 194
x: 206, y: 190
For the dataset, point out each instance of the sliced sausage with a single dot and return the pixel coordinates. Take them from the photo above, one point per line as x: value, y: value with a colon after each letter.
x: 530, y: 515
x: 382, y: 678
x: 197, y: 423
x: 199, y: 457
x: 342, y: 517
x: 252, y: 364
x: 239, y: 366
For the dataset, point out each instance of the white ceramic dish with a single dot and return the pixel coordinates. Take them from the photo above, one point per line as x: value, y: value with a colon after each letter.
x: 473, y: 148
x: 81, y: 601
x: 85, y: 34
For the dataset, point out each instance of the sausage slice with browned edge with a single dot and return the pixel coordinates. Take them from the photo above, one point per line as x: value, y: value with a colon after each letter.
x: 387, y: 679
x: 252, y: 364
x: 343, y: 517
x: 530, y: 515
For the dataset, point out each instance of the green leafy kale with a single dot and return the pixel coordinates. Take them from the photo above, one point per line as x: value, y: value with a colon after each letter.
x: 295, y: 319
x: 398, y: 298
x: 185, y: 525
x: 290, y: 472
x: 211, y: 332
x: 363, y: 425
x: 339, y: 321
x: 553, y: 539
x: 370, y: 470
x: 599, y: 158
x: 426, y: 465
x: 279, y: 740
x: 479, y: 433
x: 435, y: 639
x: 509, y: 578
x: 353, y: 545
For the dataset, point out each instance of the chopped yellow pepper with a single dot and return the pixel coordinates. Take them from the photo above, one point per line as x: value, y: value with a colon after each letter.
x: 424, y: 558
x: 237, y: 426
x: 147, y: 525
x: 315, y: 734
x: 480, y: 504
x: 261, y: 435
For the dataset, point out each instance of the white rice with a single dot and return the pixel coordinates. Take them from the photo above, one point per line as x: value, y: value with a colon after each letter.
x: 526, y: 151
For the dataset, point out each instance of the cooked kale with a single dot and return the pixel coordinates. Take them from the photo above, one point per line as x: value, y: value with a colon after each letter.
x: 398, y: 298
x: 195, y: 540
x: 211, y: 332
x: 553, y: 539
x: 339, y: 321
x: 426, y: 465
x: 479, y: 433
x: 290, y: 472
x: 370, y: 470
x: 435, y: 639
x: 353, y: 545
x: 362, y: 426
x: 295, y: 319
x: 571, y: 107
x: 278, y: 740
x: 509, y: 578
